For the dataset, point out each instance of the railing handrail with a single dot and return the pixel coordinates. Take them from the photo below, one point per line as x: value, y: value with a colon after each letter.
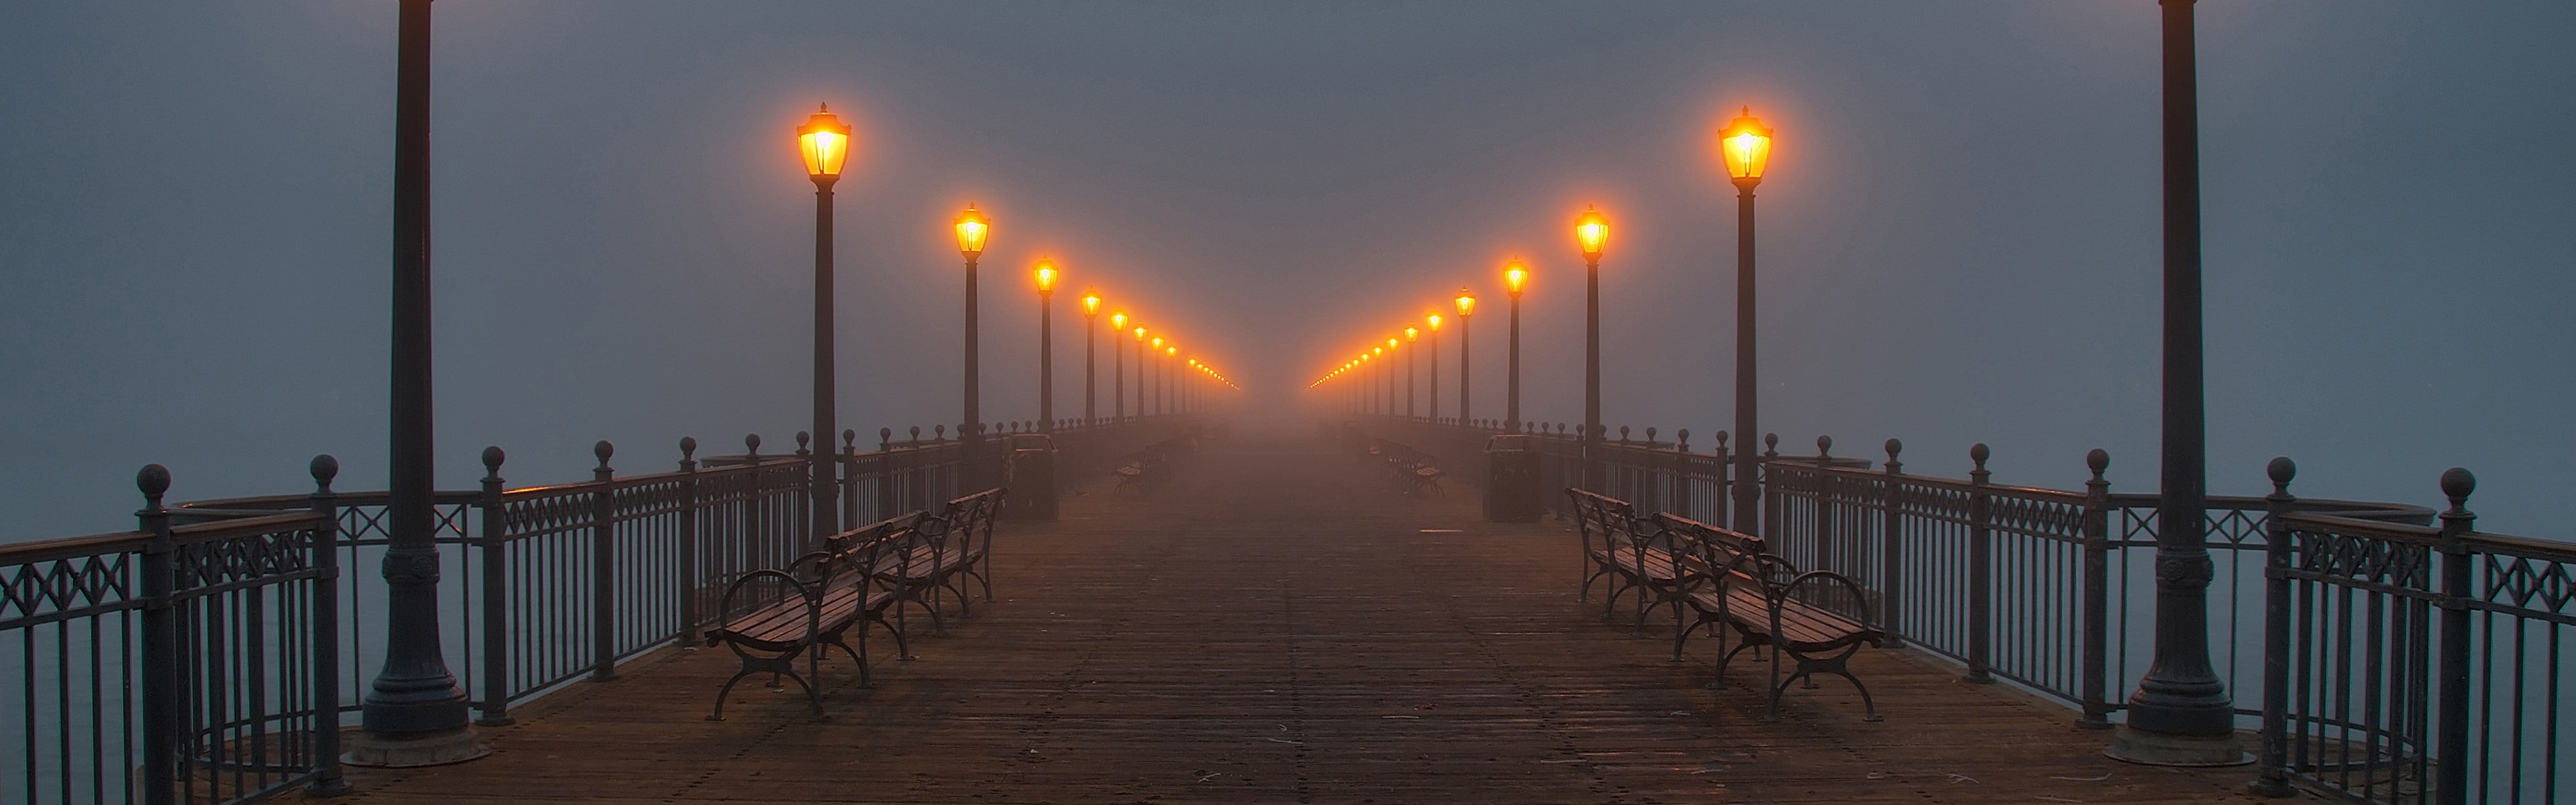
x: 47, y: 550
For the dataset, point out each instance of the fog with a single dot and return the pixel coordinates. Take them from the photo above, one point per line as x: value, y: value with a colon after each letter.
x: 1959, y: 233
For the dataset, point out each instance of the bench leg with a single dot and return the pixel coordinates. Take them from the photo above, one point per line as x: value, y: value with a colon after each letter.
x: 858, y: 655
x: 1747, y: 642
x: 902, y: 647
x: 1808, y: 668
x: 782, y: 666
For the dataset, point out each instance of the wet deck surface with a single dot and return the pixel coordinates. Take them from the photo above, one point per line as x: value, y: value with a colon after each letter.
x: 1276, y: 627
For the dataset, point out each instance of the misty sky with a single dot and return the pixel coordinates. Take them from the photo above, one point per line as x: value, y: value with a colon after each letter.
x: 1959, y: 235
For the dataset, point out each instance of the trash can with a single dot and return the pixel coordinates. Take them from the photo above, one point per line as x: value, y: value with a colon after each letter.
x: 1029, y: 472
x: 1511, y: 479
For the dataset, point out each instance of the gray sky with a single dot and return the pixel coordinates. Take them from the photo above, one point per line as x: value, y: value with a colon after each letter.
x: 1959, y: 235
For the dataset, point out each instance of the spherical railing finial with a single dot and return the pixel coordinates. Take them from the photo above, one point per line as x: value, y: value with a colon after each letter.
x: 2457, y: 484
x: 1979, y: 453
x: 1894, y: 447
x: 324, y: 468
x: 850, y: 439
x: 603, y: 450
x: 2281, y: 470
x: 153, y: 480
x: 752, y: 441
x: 688, y: 448
x: 1824, y: 446
x: 804, y: 441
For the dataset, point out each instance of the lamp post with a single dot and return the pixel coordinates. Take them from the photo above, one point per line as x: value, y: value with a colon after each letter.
x: 1046, y: 273
x: 414, y: 713
x: 1171, y: 385
x: 1432, y: 323
x: 1117, y: 367
x: 972, y: 228
x: 1746, y: 146
x: 825, y: 142
x: 1592, y: 231
x: 2181, y: 713
x: 1391, y: 348
x: 1466, y: 310
x: 1090, y: 336
x: 1410, y: 334
x: 1381, y: 399
x: 1161, y: 374
x: 1140, y: 371
x: 1515, y: 277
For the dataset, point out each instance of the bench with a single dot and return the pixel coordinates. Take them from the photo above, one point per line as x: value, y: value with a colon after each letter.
x: 771, y: 617
x: 944, y: 549
x: 1818, y: 618
x: 1627, y: 552
x: 1412, y: 477
x: 1139, y: 470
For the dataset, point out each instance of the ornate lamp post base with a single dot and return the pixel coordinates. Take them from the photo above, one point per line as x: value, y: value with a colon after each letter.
x: 411, y: 749
x: 2168, y: 749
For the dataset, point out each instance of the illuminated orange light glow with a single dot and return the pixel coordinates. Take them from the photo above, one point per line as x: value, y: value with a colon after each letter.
x: 1592, y: 230
x: 825, y: 141
x: 971, y: 229
x: 1466, y: 303
x: 1091, y: 305
x: 1515, y: 276
x: 1746, y: 146
x: 1433, y: 320
x: 1046, y: 276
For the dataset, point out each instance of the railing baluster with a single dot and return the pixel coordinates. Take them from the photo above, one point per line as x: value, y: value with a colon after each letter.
x: 2451, y: 746
x: 1823, y: 513
x: 2096, y: 602
x: 163, y: 710
x: 327, y: 781
x: 1891, y: 549
x: 1981, y: 598
x: 603, y: 563
x: 687, y: 549
x: 493, y: 546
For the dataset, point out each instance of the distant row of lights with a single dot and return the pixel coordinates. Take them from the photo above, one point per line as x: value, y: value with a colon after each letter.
x: 1745, y: 146
x: 825, y: 142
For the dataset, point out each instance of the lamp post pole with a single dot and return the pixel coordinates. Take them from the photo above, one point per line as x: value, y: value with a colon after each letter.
x: 1046, y: 346
x: 413, y: 712
x: 824, y: 473
x: 1140, y: 372
x: 2181, y: 713
x: 972, y: 229
x: 1592, y: 232
x: 1090, y: 339
x: 1512, y: 368
x: 1591, y: 371
x: 1434, y: 365
x: 1409, y: 372
x: 1117, y: 368
x: 1745, y: 146
x: 1466, y: 397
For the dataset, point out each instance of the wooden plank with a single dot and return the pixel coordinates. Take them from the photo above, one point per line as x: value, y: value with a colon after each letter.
x: 1272, y: 626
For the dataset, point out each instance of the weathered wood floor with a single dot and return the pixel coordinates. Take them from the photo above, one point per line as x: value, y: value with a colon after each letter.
x: 1277, y: 628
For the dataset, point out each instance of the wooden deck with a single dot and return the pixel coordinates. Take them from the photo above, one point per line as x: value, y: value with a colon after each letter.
x: 1277, y: 628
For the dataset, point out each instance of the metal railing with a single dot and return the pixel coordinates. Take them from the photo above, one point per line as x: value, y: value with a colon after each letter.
x: 2375, y: 630
x: 270, y: 647
x: 183, y: 663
